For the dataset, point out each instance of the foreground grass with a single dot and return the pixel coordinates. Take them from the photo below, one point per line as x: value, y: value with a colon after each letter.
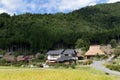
x: 53, y: 74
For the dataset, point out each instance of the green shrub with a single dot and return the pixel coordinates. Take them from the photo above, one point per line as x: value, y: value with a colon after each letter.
x: 65, y: 65
x: 73, y: 66
x: 18, y: 64
x: 40, y: 58
x: 2, y: 52
x: 90, y: 62
x: 100, y: 57
x: 113, y: 67
x: 62, y: 65
x: 2, y: 62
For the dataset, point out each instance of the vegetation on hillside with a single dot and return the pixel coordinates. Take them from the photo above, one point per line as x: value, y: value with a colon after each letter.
x: 40, y: 32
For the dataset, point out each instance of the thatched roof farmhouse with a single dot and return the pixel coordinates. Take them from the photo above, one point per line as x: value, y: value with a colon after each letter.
x: 94, y: 50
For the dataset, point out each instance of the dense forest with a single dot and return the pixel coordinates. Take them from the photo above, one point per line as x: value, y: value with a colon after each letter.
x: 38, y: 32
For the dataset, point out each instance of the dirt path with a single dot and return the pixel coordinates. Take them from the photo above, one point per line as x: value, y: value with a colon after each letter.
x: 99, y: 65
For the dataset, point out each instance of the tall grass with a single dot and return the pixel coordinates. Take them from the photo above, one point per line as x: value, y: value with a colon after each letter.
x: 53, y: 74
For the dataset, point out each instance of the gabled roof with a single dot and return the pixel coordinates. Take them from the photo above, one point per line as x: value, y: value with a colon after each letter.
x: 94, y: 50
x: 79, y: 52
x: 55, y: 51
x: 69, y: 51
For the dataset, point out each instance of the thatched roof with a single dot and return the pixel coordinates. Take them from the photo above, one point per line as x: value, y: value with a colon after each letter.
x: 21, y: 58
x: 94, y: 50
x: 107, y: 49
x: 79, y: 52
x: 9, y: 58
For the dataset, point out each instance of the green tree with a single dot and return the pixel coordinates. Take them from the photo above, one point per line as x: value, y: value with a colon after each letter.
x: 113, y: 43
x: 116, y: 52
x: 80, y: 43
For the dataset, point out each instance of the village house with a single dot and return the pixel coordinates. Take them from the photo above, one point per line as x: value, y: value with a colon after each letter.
x: 53, y: 55
x: 69, y: 56
x: 93, y: 51
x: 23, y: 58
x: 61, y: 55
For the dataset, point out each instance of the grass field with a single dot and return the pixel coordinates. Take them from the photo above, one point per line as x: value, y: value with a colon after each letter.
x: 53, y: 74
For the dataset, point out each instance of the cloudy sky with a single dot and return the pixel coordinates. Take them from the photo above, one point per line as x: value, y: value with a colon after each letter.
x: 46, y: 6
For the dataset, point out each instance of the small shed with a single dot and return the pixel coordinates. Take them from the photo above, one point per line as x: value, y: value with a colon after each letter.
x: 79, y: 53
x: 21, y: 58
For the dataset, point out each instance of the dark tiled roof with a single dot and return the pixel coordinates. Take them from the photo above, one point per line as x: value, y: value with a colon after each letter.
x: 65, y: 58
x: 69, y: 51
x: 55, y: 51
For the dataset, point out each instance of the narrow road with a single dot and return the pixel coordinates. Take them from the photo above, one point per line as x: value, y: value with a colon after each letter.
x: 99, y: 65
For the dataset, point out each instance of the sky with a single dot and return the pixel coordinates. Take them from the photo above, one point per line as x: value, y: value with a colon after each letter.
x: 46, y: 6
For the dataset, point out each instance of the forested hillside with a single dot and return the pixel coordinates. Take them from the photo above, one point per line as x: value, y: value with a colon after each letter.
x: 37, y: 32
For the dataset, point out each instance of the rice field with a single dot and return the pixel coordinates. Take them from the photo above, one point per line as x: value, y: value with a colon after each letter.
x: 53, y: 74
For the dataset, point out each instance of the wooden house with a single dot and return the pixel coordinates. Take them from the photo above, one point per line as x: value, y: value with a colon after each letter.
x: 53, y: 55
x: 61, y: 55
x: 68, y: 55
